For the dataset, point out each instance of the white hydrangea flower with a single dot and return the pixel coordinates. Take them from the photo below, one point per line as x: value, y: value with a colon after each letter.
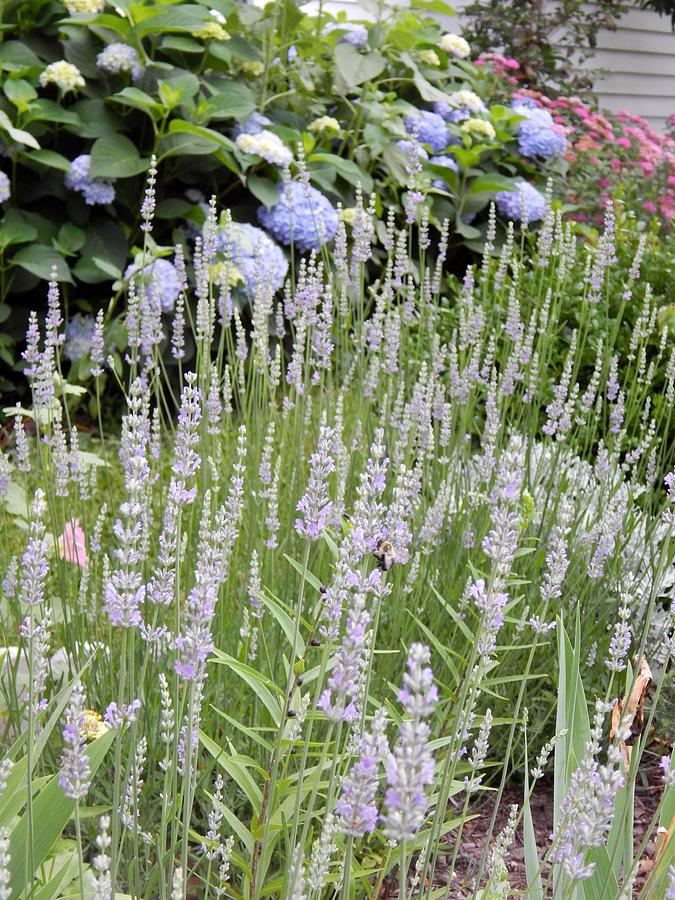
x: 455, y: 46
x: 479, y: 128
x: 467, y: 100
x: 267, y: 145
x: 253, y: 67
x: 324, y: 123
x: 64, y: 75
x: 119, y: 57
x: 430, y: 57
x: 84, y: 6
x: 212, y: 31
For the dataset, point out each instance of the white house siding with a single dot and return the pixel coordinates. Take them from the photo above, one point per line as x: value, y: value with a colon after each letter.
x: 639, y: 63
x: 637, y: 60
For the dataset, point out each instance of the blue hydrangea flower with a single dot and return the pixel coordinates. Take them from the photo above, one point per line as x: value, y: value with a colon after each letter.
x: 450, y: 163
x: 430, y: 129
x: 308, y: 220
x: 509, y: 203
x: 352, y: 33
x: 5, y: 187
x: 253, y: 250
x: 255, y: 123
x: 528, y: 102
x: 119, y: 58
x: 79, y: 335
x: 159, y: 275
x: 96, y: 191
x: 406, y: 147
x: 538, y: 135
x: 451, y: 113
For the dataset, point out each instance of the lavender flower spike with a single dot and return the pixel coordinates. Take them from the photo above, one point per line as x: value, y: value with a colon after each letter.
x: 75, y: 776
x: 315, y: 504
x: 410, y: 767
x: 356, y: 809
x: 337, y: 701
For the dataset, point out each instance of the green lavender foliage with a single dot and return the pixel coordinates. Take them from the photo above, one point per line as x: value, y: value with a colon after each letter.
x: 523, y: 507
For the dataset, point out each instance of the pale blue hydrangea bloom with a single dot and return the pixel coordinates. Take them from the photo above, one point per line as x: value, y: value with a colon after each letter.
x: 352, y: 33
x: 161, y: 276
x: 254, y: 124
x: 525, y: 195
x: 449, y: 163
x: 538, y: 135
x: 451, y: 113
x: 96, y: 191
x: 254, y: 251
x: 430, y: 128
x: 303, y: 216
x: 5, y: 187
x: 79, y: 335
x: 120, y: 58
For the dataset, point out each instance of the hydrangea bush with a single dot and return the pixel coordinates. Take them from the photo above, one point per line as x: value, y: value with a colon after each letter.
x: 231, y: 100
x: 384, y: 555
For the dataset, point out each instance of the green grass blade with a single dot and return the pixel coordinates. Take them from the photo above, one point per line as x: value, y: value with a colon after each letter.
x: 52, y: 811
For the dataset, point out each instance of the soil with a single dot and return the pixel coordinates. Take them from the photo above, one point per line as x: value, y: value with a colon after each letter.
x: 647, y: 796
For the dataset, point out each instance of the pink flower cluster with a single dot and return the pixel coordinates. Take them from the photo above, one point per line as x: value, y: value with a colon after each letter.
x: 613, y: 152
x: 503, y: 66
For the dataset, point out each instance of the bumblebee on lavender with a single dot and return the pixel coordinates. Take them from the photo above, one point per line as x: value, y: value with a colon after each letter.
x: 385, y: 555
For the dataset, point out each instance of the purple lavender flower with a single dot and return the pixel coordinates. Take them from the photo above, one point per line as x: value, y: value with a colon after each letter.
x: 96, y: 191
x: 124, y: 590
x: 75, y: 777
x: 37, y: 637
x: 34, y: 565
x: 490, y: 604
x: 410, y: 767
x: 409, y: 147
x: 356, y: 808
x: 315, y: 504
x: 186, y: 458
x: 117, y: 717
x: 369, y: 513
x: 194, y: 644
x: 337, y: 701
x: 587, y: 810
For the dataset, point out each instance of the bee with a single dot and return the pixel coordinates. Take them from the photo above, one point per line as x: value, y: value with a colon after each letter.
x: 93, y: 725
x: 385, y: 555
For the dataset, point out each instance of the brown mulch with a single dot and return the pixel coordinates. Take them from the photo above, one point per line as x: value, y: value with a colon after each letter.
x: 647, y: 796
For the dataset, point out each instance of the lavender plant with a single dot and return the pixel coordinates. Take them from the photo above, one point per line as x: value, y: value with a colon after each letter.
x: 366, y: 483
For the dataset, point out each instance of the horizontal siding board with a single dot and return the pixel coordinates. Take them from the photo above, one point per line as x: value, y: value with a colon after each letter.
x: 631, y: 62
x: 635, y: 84
x: 637, y: 41
x: 649, y: 107
x: 642, y: 20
